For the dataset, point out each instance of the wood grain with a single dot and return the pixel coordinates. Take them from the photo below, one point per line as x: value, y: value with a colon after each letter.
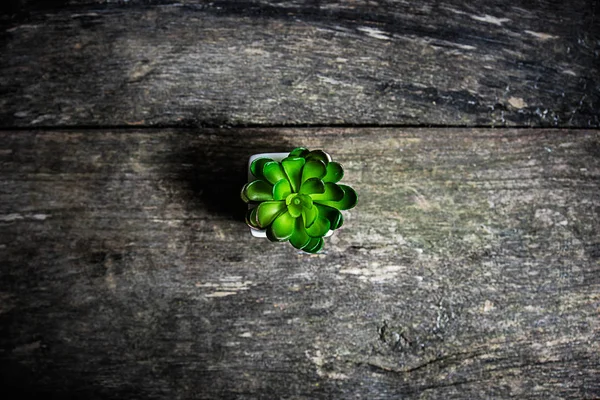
x: 470, y: 268
x: 190, y: 63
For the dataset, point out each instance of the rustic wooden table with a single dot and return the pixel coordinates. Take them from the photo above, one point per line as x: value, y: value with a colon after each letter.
x: 469, y: 269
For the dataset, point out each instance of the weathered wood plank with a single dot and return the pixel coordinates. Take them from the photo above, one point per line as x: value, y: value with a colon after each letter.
x: 459, y: 63
x: 126, y: 271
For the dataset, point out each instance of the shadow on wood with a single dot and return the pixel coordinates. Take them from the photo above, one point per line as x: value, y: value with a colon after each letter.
x: 212, y: 169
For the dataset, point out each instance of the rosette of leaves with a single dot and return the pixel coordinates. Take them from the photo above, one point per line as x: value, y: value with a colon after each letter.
x: 298, y: 199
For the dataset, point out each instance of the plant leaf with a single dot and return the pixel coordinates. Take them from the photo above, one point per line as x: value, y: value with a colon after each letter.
x: 251, y: 218
x: 257, y: 167
x: 295, y: 210
x: 257, y: 191
x: 313, y: 169
x: 333, y: 192
x: 299, y: 238
x: 267, y: 211
x: 347, y: 202
x: 335, y: 172
x: 309, y: 215
x: 245, y: 198
x: 298, y: 152
x: 282, y: 189
x: 282, y: 228
x: 312, y: 186
x: 293, y: 169
x: 318, y: 155
x: 335, y: 217
x: 273, y: 172
x: 314, y: 246
x: 319, y: 228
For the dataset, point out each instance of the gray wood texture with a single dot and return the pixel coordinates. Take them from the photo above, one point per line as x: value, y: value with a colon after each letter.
x: 469, y: 269
x: 458, y: 63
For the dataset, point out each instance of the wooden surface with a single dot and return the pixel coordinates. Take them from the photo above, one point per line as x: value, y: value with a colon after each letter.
x: 198, y: 63
x: 469, y: 269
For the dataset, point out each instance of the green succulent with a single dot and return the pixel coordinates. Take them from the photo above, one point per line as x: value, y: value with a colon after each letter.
x: 298, y: 199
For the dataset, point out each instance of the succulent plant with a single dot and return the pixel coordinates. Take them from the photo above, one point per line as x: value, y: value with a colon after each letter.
x: 298, y: 199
